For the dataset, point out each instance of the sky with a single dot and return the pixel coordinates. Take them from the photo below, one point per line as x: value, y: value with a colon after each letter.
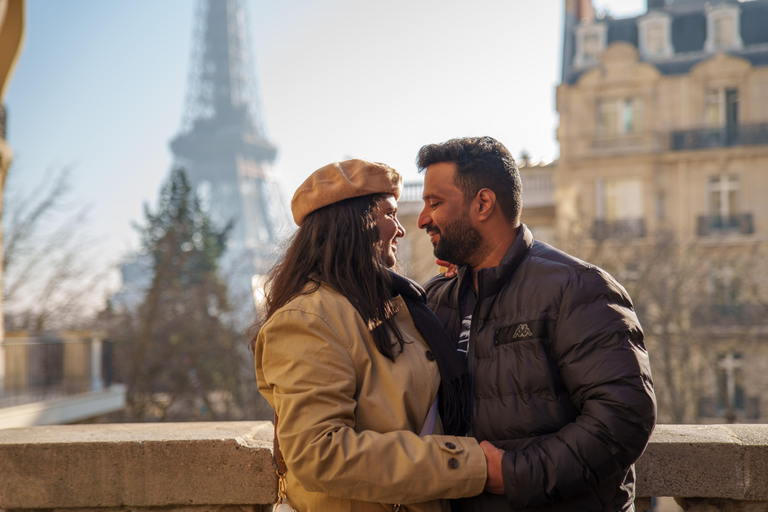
x: 100, y: 87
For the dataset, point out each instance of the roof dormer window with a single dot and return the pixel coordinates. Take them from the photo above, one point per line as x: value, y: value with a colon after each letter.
x: 723, y: 28
x: 655, y: 35
x: 590, y: 43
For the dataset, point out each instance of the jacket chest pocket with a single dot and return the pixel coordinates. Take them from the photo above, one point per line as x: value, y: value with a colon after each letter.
x: 524, y: 354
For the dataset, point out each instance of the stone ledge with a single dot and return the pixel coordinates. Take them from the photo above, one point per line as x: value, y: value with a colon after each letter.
x: 137, y: 465
x: 228, y: 466
x: 706, y: 461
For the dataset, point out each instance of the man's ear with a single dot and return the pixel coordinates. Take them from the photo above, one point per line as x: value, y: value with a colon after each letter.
x: 486, y: 203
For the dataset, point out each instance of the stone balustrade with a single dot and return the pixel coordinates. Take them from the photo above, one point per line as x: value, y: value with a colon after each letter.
x: 228, y: 467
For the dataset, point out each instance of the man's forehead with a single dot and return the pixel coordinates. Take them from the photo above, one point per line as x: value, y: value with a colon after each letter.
x: 439, y: 180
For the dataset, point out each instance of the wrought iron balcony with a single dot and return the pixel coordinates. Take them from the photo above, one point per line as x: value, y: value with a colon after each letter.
x: 702, y: 138
x: 716, y: 225
x: 729, y: 315
x: 744, y: 408
x: 634, y: 142
x: 617, y: 229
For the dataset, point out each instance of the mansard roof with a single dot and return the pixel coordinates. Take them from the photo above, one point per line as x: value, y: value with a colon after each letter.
x: 689, y: 32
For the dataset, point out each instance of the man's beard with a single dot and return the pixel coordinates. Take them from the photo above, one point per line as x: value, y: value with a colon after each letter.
x: 458, y: 242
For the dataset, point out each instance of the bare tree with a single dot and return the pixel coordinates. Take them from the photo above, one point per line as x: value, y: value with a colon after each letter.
x: 696, y: 300
x: 51, y: 280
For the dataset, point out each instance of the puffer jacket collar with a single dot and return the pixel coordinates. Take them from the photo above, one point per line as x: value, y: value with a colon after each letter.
x: 492, y: 280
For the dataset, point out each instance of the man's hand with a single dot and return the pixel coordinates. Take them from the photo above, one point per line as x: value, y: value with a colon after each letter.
x: 450, y: 267
x: 493, y: 455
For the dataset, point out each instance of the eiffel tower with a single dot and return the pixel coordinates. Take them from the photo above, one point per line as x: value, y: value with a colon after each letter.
x: 222, y: 143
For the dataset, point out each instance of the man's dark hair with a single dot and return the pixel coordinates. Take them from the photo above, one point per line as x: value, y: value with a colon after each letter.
x: 481, y: 162
x: 336, y: 245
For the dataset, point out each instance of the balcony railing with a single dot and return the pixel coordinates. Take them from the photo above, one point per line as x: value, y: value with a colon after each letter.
x: 47, y: 367
x: 717, y: 225
x: 412, y: 192
x: 744, y: 408
x: 633, y: 142
x: 229, y: 465
x: 618, y: 229
x: 730, y: 315
x: 702, y: 138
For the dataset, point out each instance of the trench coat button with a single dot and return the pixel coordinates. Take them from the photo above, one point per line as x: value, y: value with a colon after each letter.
x: 430, y: 355
x: 450, y: 446
x: 453, y: 463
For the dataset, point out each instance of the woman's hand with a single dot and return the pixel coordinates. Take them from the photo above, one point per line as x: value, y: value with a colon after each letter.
x: 450, y: 268
x: 494, y: 484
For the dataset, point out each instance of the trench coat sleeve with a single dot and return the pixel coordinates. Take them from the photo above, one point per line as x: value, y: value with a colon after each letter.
x: 305, y: 369
x: 599, y: 350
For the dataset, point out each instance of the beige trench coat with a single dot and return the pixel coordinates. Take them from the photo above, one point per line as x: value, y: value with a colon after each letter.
x: 348, y: 414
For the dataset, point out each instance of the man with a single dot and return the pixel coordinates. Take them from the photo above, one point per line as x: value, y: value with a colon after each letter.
x: 561, y: 379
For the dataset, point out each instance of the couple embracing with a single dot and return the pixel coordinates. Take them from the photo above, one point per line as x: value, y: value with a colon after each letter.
x: 518, y: 381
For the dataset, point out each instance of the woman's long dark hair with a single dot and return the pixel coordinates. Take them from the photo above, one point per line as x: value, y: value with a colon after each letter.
x: 336, y: 245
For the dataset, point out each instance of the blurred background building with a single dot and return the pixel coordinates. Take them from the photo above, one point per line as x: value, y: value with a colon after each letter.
x: 662, y: 179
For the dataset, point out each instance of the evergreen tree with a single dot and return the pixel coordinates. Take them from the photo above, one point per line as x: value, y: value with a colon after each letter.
x: 179, y: 354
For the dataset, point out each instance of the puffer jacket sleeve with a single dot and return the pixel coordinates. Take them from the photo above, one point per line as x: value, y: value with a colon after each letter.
x: 599, y: 350
x: 305, y: 370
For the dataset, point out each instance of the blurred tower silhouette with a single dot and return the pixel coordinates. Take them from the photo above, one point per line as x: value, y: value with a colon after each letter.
x: 222, y: 142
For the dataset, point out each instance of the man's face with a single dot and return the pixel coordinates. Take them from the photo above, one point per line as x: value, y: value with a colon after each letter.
x: 445, y: 216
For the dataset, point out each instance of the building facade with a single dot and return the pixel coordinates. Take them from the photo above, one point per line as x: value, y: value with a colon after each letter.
x: 663, y: 180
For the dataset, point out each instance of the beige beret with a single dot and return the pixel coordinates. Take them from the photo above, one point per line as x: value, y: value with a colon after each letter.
x: 344, y: 180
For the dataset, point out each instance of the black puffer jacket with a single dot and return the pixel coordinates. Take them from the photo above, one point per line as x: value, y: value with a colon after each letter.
x: 561, y: 379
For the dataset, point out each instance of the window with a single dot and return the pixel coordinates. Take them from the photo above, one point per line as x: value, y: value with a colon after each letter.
x: 723, y: 195
x: 723, y: 33
x: 591, y: 41
x: 619, y: 116
x: 623, y: 200
x: 619, y: 209
x: 654, y: 32
x: 730, y: 381
x: 723, y: 28
x: 721, y: 108
x: 591, y: 47
x: 661, y: 211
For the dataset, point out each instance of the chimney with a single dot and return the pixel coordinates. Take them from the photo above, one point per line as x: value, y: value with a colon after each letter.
x: 585, y: 12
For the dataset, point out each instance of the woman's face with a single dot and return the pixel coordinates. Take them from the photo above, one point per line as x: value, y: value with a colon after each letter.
x: 390, y: 229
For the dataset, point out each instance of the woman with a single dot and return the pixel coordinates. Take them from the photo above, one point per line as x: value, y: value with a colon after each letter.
x: 342, y: 359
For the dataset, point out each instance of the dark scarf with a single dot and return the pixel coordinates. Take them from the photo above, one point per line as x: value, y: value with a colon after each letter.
x: 455, y: 395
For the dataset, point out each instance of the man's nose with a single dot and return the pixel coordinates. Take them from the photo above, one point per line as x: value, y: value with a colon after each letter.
x: 424, y: 219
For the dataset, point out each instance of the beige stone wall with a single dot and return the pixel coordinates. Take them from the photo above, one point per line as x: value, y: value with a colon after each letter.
x: 224, y: 466
x: 228, y: 467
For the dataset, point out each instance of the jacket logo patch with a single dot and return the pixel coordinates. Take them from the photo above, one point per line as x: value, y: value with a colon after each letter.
x: 522, y: 331
x: 529, y: 330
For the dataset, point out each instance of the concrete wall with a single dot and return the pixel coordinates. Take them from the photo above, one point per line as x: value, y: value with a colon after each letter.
x: 228, y: 466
